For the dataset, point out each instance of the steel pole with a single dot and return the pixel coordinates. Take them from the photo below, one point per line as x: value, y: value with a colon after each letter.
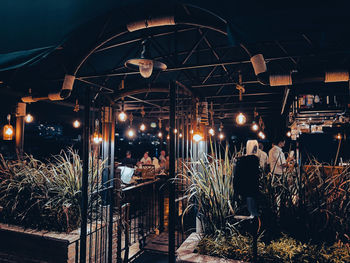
x: 171, y: 248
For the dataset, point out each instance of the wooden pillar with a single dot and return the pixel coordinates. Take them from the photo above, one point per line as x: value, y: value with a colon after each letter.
x: 20, y: 115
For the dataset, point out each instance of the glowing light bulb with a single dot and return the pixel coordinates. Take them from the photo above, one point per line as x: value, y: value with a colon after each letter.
x: 191, y: 131
x: 142, y: 127
x: 122, y: 116
x: 131, y: 133
x: 338, y: 137
x: 9, y: 131
x: 211, y: 132
x: 146, y: 68
x: 29, y: 118
x: 160, y: 134
x: 241, y: 119
x: 97, y: 138
x: 262, y: 135
x: 289, y: 134
x: 76, y: 124
x: 255, y: 127
x: 221, y: 136
x: 197, y: 137
x: 175, y: 131
x: 180, y: 135
x: 168, y: 137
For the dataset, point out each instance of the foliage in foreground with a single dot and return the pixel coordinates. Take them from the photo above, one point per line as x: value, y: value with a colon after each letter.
x: 284, y: 249
x: 47, y: 195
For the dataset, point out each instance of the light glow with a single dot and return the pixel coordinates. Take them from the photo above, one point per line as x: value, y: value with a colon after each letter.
x: 241, y: 119
x: 338, y: 137
x: 289, y: 134
x: 142, y: 127
x: 262, y: 135
x: 97, y: 138
x: 122, y: 116
x: 211, y: 132
x: 29, y: 118
x: 180, y: 135
x: 160, y: 134
x: 76, y: 124
x: 131, y: 133
x: 221, y: 136
x: 255, y: 127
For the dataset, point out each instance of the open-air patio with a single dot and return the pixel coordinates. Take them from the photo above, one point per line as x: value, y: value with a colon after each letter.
x: 174, y: 131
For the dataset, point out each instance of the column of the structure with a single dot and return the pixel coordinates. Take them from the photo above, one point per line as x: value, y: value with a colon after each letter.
x: 20, y: 115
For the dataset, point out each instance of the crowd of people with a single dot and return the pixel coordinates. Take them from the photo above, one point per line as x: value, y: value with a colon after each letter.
x: 160, y: 163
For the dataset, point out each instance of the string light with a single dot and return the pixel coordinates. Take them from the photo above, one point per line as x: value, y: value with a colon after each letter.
x: 221, y: 136
x: 29, y: 118
x: 197, y: 137
x: 211, y: 132
x: 192, y: 131
x: 289, y: 134
x: 168, y: 137
x: 255, y: 127
x: 180, y: 135
x: 338, y: 137
x: 131, y: 133
x: 175, y: 131
x: 122, y: 116
x: 262, y: 135
x: 160, y: 134
x: 76, y: 124
x: 241, y: 119
x: 142, y: 127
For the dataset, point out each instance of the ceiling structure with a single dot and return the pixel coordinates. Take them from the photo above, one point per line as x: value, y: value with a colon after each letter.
x: 200, y: 59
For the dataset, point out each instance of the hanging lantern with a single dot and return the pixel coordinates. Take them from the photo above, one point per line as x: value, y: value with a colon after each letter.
x: 261, y: 135
x: 142, y: 127
x: 221, y: 136
x: 130, y: 133
x: 8, y: 130
x: 97, y: 138
x: 145, y: 65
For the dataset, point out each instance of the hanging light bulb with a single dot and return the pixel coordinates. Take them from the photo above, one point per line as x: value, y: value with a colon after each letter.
x: 338, y: 137
x: 160, y: 134
x: 255, y: 127
x: 145, y: 64
x: 122, y: 116
x: 241, y: 119
x: 289, y: 133
x: 168, y: 137
x: 175, y: 131
x: 261, y: 135
x: 146, y: 68
x: 221, y: 136
x: 211, y: 132
x: 8, y: 130
x: 131, y: 133
x: 76, y: 124
x: 192, y: 131
x: 180, y: 135
x: 142, y: 127
x: 29, y: 118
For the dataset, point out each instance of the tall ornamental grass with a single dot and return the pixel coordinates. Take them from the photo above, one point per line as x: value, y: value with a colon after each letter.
x: 47, y: 195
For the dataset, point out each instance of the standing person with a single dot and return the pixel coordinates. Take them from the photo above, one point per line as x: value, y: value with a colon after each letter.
x: 246, y: 179
x: 128, y: 160
x: 277, y: 160
x: 146, y: 159
x: 162, y: 157
x: 263, y: 159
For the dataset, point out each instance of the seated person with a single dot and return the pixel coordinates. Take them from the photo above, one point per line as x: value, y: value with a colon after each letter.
x: 145, y: 159
x: 162, y: 157
x: 128, y: 160
x: 155, y: 162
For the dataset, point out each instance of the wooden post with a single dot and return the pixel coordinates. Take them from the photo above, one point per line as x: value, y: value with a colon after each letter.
x: 20, y: 115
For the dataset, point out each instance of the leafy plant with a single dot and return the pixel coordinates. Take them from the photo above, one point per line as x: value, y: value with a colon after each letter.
x: 47, y: 195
